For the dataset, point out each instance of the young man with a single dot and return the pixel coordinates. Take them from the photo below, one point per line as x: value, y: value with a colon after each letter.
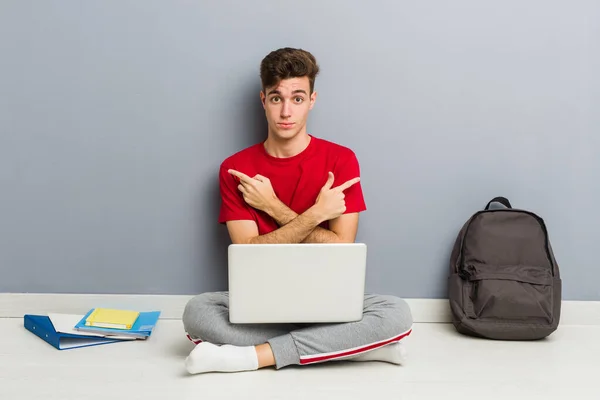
x: 291, y: 188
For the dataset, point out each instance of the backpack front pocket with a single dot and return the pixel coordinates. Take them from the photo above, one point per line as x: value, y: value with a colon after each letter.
x: 510, y: 292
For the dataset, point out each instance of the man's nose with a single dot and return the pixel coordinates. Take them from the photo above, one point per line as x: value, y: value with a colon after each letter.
x: 286, y: 110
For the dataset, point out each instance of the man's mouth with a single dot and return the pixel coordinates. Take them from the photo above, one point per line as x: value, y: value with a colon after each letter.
x: 285, y: 125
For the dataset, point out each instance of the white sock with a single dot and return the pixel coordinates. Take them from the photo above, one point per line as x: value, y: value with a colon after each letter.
x: 394, y: 353
x: 207, y: 357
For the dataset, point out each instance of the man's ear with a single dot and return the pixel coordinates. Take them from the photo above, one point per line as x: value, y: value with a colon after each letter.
x: 262, y: 98
x: 313, y: 98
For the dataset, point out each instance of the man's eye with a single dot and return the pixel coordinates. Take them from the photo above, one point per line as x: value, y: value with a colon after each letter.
x: 275, y: 99
x: 299, y: 99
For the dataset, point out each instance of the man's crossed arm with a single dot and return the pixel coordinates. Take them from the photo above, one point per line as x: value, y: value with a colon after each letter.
x: 341, y: 229
x: 329, y: 206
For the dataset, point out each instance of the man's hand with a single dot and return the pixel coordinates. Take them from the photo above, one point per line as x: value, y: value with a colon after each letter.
x: 330, y: 203
x: 258, y: 191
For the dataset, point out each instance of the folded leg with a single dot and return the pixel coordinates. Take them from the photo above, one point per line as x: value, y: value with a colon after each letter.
x: 206, y: 318
x: 386, y: 320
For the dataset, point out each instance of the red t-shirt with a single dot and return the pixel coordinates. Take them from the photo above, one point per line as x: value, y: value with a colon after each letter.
x: 296, y: 180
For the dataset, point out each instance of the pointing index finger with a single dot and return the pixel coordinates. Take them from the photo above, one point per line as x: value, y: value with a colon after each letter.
x: 348, y: 184
x: 243, y: 177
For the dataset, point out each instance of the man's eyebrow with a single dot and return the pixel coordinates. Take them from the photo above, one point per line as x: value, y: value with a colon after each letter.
x: 275, y: 91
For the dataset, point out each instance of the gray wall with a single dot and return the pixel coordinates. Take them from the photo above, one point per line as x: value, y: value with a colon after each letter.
x: 115, y: 115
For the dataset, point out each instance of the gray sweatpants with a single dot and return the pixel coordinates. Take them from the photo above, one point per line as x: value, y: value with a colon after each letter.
x: 386, y: 319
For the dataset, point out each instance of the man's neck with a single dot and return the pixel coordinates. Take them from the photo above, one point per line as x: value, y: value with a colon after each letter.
x: 286, y: 148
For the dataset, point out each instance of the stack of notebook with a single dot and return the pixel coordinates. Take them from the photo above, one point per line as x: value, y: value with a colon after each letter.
x: 109, y: 322
x: 97, y: 326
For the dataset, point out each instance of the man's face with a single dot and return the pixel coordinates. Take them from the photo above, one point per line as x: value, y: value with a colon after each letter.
x: 287, y: 106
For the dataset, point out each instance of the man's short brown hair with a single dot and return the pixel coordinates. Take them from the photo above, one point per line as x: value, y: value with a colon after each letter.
x: 288, y: 63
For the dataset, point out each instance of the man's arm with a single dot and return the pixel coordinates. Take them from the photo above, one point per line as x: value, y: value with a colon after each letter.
x: 246, y: 231
x: 341, y: 229
x: 330, y: 205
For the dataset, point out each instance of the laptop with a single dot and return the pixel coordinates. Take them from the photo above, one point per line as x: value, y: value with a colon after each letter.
x: 296, y: 283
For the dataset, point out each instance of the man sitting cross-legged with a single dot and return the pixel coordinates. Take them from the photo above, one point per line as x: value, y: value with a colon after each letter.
x: 291, y: 188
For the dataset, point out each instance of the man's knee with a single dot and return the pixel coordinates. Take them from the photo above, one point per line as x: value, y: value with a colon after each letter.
x: 402, y: 314
x: 395, y: 314
x: 200, y: 313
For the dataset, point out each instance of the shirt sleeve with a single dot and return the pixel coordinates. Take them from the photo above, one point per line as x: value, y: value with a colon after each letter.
x: 233, y: 206
x: 348, y: 168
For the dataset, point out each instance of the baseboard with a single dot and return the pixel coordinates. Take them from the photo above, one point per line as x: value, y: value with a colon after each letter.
x: 15, y: 305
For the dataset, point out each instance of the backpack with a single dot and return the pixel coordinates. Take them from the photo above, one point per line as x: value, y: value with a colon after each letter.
x: 504, y: 280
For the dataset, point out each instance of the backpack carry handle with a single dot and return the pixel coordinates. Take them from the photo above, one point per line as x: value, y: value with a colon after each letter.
x: 502, y: 200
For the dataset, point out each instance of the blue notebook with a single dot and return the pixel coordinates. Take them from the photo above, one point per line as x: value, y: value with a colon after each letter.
x: 41, y: 326
x: 141, y: 329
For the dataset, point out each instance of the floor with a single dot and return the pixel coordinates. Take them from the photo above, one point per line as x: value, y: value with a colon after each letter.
x: 441, y: 365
